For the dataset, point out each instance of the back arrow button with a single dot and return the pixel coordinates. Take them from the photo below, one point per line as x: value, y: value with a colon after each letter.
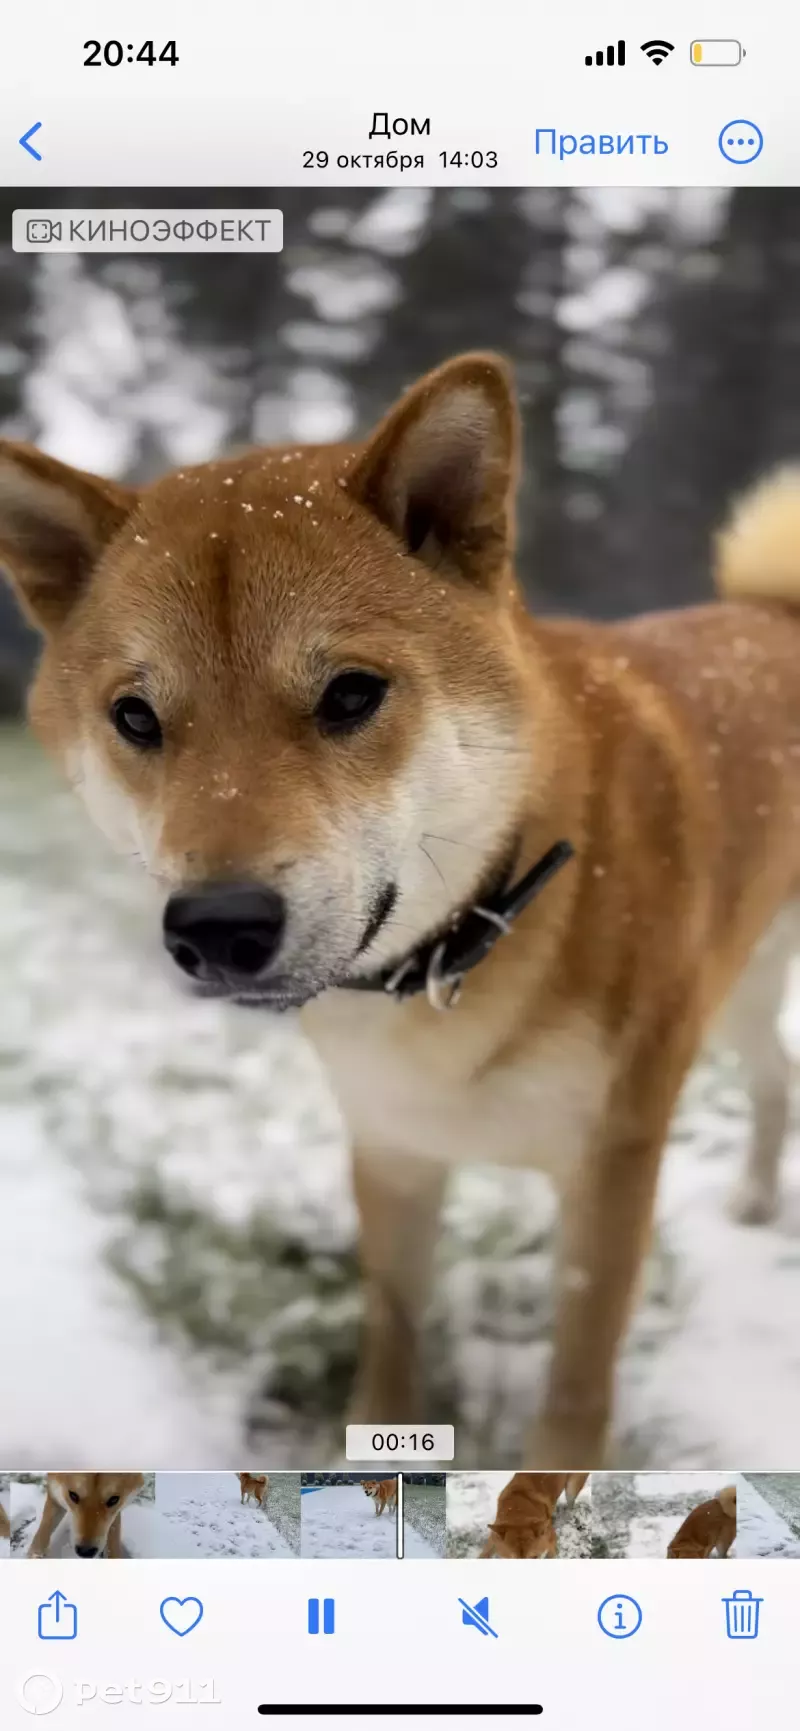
x: 26, y: 138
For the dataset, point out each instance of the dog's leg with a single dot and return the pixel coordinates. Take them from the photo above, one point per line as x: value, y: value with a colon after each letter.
x: 114, y: 1540
x: 605, y: 1227
x: 399, y: 1200
x: 749, y: 1024
x: 573, y: 1488
x: 52, y: 1516
x: 768, y: 1070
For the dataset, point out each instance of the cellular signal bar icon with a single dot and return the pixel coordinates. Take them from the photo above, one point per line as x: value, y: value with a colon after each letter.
x: 610, y: 56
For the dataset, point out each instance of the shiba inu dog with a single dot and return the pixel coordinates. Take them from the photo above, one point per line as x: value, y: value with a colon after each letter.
x: 383, y: 1493
x: 512, y: 869
x: 709, y: 1528
x: 253, y: 1486
x: 524, y: 1525
x: 5, y: 1524
x: 93, y: 1504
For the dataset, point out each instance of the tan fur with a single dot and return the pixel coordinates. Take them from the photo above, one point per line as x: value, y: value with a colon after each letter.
x: 523, y: 1525
x: 5, y: 1525
x: 709, y: 1528
x: 665, y: 749
x: 757, y: 551
x: 254, y: 1486
x: 93, y: 1503
x: 383, y: 1493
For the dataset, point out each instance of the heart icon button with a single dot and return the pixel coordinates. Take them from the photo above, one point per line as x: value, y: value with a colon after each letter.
x: 181, y: 1615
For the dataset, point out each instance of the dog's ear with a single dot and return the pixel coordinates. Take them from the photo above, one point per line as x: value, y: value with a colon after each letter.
x: 54, y: 523
x: 440, y: 470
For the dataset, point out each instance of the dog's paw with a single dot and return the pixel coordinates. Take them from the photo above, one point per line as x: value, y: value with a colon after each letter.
x: 753, y: 1204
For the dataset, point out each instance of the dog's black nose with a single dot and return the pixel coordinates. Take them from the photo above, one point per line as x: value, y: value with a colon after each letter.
x: 224, y: 932
x: 86, y: 1550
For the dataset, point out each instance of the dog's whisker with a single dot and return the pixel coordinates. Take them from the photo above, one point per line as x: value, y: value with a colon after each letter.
x: 433, y: 862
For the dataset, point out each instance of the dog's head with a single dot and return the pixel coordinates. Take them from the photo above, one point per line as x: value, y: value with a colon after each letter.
x: 92, y: 1501
x: 291, y: 682
x: 524, y: 1539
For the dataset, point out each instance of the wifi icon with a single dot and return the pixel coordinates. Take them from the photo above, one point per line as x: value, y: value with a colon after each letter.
x: 657, y: 51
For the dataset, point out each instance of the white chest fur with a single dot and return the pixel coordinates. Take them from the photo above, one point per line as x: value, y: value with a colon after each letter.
x: 414, y: 1086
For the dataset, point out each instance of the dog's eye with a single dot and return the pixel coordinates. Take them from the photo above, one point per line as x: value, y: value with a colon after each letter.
x: 73, y: 1497
x: 350, y: 700
x: 112, y: 1502
x: 136, y: 722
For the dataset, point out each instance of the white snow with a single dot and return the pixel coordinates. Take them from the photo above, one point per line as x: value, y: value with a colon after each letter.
x: 699, y: 1486
x: 414, y: 1545
x: 64, y: 1297
x: 340, y: 1521
x: 111, y: 372
x: 724, y: 1385
x: 760, y: 1530
x: 649, y: 1535
x: 204, y: 1511
x: 472, y: 1499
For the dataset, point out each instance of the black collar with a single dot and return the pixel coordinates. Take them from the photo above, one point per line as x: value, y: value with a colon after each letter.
x: 438, y: 966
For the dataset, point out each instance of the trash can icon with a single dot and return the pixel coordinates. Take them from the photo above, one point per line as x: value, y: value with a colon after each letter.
x: 742, y: 1612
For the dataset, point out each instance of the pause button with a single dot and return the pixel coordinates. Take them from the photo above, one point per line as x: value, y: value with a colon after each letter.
x: 328, y: 1616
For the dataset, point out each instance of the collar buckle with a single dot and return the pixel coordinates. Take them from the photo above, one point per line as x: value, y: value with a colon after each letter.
x: 438, y: 967
x: 442, y: 989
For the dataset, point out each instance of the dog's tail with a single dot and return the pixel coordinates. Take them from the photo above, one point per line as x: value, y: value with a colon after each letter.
x: 758, y: 551
x: 727, y: 1497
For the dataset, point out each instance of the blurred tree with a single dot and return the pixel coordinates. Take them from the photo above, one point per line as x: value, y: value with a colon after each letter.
x: 487, y: 273
x: 724, y: 402
x: 654, y: 337
x: 17, y: 346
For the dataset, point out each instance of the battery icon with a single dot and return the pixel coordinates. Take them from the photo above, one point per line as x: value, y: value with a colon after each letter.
x: 719, y: 51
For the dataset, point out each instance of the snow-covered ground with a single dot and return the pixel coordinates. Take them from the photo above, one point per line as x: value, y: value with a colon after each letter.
x: 180, y: 1264
x: 472, y: 1505
x: 205, y: 1510
x: 768, y: 1515
x: 424, y: 1519
x: 638, y: 1514
x: 340, y: 1521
